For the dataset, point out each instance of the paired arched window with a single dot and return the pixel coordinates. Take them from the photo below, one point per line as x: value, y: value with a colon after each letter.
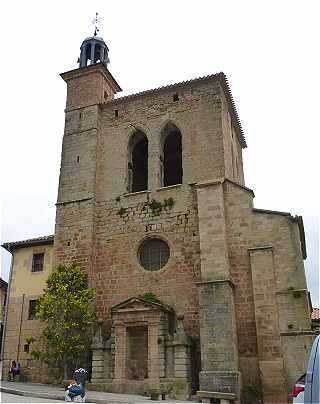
x: 138, y: 162
x: 170, y: 159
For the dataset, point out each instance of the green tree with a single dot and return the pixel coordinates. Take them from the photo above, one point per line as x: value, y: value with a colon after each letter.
x: 65, y: 309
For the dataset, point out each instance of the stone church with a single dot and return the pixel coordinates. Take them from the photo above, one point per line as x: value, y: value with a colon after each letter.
x: 197, y: 289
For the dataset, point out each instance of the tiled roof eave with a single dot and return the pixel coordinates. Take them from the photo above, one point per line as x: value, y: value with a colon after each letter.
x: 13, y: 245
x: 233, y: 111
x: 3, y: 284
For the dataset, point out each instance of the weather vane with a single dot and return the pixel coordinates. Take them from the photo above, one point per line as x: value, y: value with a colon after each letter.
x: 96, y: 21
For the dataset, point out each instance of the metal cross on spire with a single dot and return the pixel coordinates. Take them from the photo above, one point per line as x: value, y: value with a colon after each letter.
x: 96, y: 21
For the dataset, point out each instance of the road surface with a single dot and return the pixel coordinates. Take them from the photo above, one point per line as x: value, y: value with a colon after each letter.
x: 12, y: 398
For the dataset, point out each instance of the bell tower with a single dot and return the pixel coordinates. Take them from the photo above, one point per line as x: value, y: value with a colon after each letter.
x: 88, y: 86
x: 92, y: 83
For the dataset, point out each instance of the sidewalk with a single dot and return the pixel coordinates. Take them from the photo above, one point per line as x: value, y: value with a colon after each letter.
x: 57, y: 393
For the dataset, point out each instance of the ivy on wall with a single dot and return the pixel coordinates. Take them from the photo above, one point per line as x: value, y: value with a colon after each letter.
x: 154, y: 205
x: 157, y: 206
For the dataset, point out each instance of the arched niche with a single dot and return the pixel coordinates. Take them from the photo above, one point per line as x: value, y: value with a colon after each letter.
x: 171, y: 155
x: 138, y: 162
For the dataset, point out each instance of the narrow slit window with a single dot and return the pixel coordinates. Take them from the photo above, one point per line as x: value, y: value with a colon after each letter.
x: 175, y: 97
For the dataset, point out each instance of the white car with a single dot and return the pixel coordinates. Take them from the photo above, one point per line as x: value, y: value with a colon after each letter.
x: 306, y: 389
x: 298, y: 390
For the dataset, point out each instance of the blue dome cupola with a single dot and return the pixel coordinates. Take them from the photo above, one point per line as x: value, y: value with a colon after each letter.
x: 93, y: 50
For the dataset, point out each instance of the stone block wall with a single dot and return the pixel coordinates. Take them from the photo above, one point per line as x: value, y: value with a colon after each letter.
x: 210, y: 230
x: 74, y: 233
x: 118, y: 274
x: 94, y: 165
x: 79, y: 164
x: 235, y: 272
x: 197, y: 115
x: 232, y: 147
x: 296, y: 346
x: 267, y: 271
x: 89, y: 86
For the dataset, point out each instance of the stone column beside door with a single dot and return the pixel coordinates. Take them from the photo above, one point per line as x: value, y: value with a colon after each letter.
x: 182, y: 358
x: 98, y: 356
x: 153, y: 357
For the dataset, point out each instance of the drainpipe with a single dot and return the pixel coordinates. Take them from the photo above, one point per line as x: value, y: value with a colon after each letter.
x: 6, y: 308
x: 21, y: 318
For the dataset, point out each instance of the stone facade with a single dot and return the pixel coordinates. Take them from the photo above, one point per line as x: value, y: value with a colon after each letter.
x: 232, y: 313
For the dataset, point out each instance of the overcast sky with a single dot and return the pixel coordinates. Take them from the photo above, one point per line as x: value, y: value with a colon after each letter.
x: 269, y: 51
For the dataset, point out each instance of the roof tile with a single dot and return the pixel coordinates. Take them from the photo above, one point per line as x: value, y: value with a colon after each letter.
x: 12, y: 245
x: 315, y: 314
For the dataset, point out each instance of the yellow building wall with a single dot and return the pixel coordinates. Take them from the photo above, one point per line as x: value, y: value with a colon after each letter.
x: 2, y: 300
x: 25, y: 286
x: 23, y: 280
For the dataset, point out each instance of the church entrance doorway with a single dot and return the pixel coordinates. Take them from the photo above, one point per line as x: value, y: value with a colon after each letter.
x: 137, y: 353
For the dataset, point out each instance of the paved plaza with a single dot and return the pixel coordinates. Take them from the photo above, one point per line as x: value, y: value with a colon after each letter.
x: 49, y: 393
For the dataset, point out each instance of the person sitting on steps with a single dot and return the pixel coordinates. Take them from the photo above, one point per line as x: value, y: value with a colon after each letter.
x: 14, y: 370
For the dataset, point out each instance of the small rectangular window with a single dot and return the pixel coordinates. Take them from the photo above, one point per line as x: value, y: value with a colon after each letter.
x: 175, y: 97
x: 32, y: 309
x: 37, y: 262
x: 116, y: 113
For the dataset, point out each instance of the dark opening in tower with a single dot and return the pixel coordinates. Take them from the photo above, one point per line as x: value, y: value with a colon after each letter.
x: 97, y: 54
x: 87, y: 53
x: 172, y: 156
x: 138, y: 162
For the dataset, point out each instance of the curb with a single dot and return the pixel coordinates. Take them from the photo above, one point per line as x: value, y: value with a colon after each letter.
x: 32, y: 394
x: 60, y: 397
x: 49, y: 396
